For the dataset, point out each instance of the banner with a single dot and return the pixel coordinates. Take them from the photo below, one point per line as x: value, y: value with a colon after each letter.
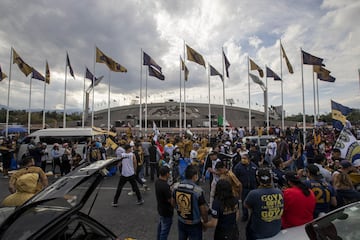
x: 348, y: 145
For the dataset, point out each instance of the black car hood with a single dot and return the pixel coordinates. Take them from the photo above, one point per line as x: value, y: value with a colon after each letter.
x: 59, y: 200
x: 66, y: 184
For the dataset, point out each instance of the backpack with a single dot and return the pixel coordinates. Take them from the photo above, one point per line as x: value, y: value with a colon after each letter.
x: 94, y: 154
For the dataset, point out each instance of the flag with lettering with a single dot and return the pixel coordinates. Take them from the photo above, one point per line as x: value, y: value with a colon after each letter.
x: 288, y: 64
x: 23, y: 66
x: 194, y: 56
x: 349, y: 147
x: 155, y: 73
x: 150, y: 62
x: 271, y: 73
x: 112, y: 65
x: 227, y: 65
x: 254, y: 66
x: 214, y: 72
x: 339, y: 113
x: 311, y: 60
x: 185, y: 69
x: 47, y: 73
x: 37, y: 75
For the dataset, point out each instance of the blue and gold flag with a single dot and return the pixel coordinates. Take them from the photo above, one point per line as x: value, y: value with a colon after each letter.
x: 150, y: 62
x: 69, y: 65
x: 271, y: 73
x: 37, y: 75
x: 311, y: 60
x: 339, y: 113
x: 214, y: 72
x: 155, y: 73
x: 227, y: 65
x: 23, y: 66
x: 90, y: 76
x: 323, y: 74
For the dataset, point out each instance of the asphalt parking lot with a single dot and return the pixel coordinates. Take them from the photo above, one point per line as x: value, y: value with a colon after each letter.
x: 128, y: 219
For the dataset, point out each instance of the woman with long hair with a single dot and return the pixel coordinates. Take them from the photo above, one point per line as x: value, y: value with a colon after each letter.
x: 345, y: 191
x: 299, y: 202
x: 225, y: 212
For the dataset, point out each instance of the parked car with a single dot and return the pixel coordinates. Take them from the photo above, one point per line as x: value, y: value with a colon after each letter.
x: 342, y: 223
x: 55, y: 212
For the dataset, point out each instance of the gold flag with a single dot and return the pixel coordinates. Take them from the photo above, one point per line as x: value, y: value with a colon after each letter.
x: 288, y: 64
x: 194, y: 56
x: 110, y: 143
x: 323, y: 72
x: 3, y: 76
x: 23, y: 66
x: 254, y: 66
x: 112, y: 65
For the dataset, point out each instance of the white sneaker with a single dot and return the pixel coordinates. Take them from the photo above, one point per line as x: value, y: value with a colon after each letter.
x: 131, y: 193
x: 143, y: 179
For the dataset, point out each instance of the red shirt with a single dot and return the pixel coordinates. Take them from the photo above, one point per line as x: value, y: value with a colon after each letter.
x: 298, y: 208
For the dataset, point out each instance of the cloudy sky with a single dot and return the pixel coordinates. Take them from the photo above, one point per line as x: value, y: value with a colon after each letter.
x: 40, y: 30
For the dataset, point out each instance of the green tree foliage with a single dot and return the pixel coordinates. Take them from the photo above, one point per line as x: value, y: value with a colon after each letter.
x: 21, y: 117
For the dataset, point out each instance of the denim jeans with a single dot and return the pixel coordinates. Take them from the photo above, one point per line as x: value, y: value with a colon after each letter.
x: 191, y: 232
x: 164, y: 228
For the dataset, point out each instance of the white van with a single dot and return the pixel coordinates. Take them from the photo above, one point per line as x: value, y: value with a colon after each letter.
x: 78, y: 136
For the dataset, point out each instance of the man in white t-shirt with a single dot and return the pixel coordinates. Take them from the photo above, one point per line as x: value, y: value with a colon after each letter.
x: 270, y: 151
x: 128, y: 170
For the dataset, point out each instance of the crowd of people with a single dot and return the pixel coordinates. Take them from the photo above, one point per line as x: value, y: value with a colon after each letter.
x: 284, y: 186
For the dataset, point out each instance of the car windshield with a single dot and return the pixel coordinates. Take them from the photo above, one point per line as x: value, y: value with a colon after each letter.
x: 43, y: 214
x: 342, y: 224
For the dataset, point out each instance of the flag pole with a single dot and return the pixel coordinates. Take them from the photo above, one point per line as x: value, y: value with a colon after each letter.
x: 180, y: 117
x: 223, y: 81
x: 93, y: 93
x: 43, y: 116
x: 140, y: 101
x: 146, y: 95
x: 359, y: 77
x: 282, y: 93
x: 208, y: 72
x: 303, y: 99
x: 64, y: 116
x: 108, y: 122
x: 84, y: 104
x: 29, y: 110
x: 8, y: 97
x: 249, y: 94
x: 266, y: 102
x: 317, y: 94
x: 185, y: 125
x: 313, y: 78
